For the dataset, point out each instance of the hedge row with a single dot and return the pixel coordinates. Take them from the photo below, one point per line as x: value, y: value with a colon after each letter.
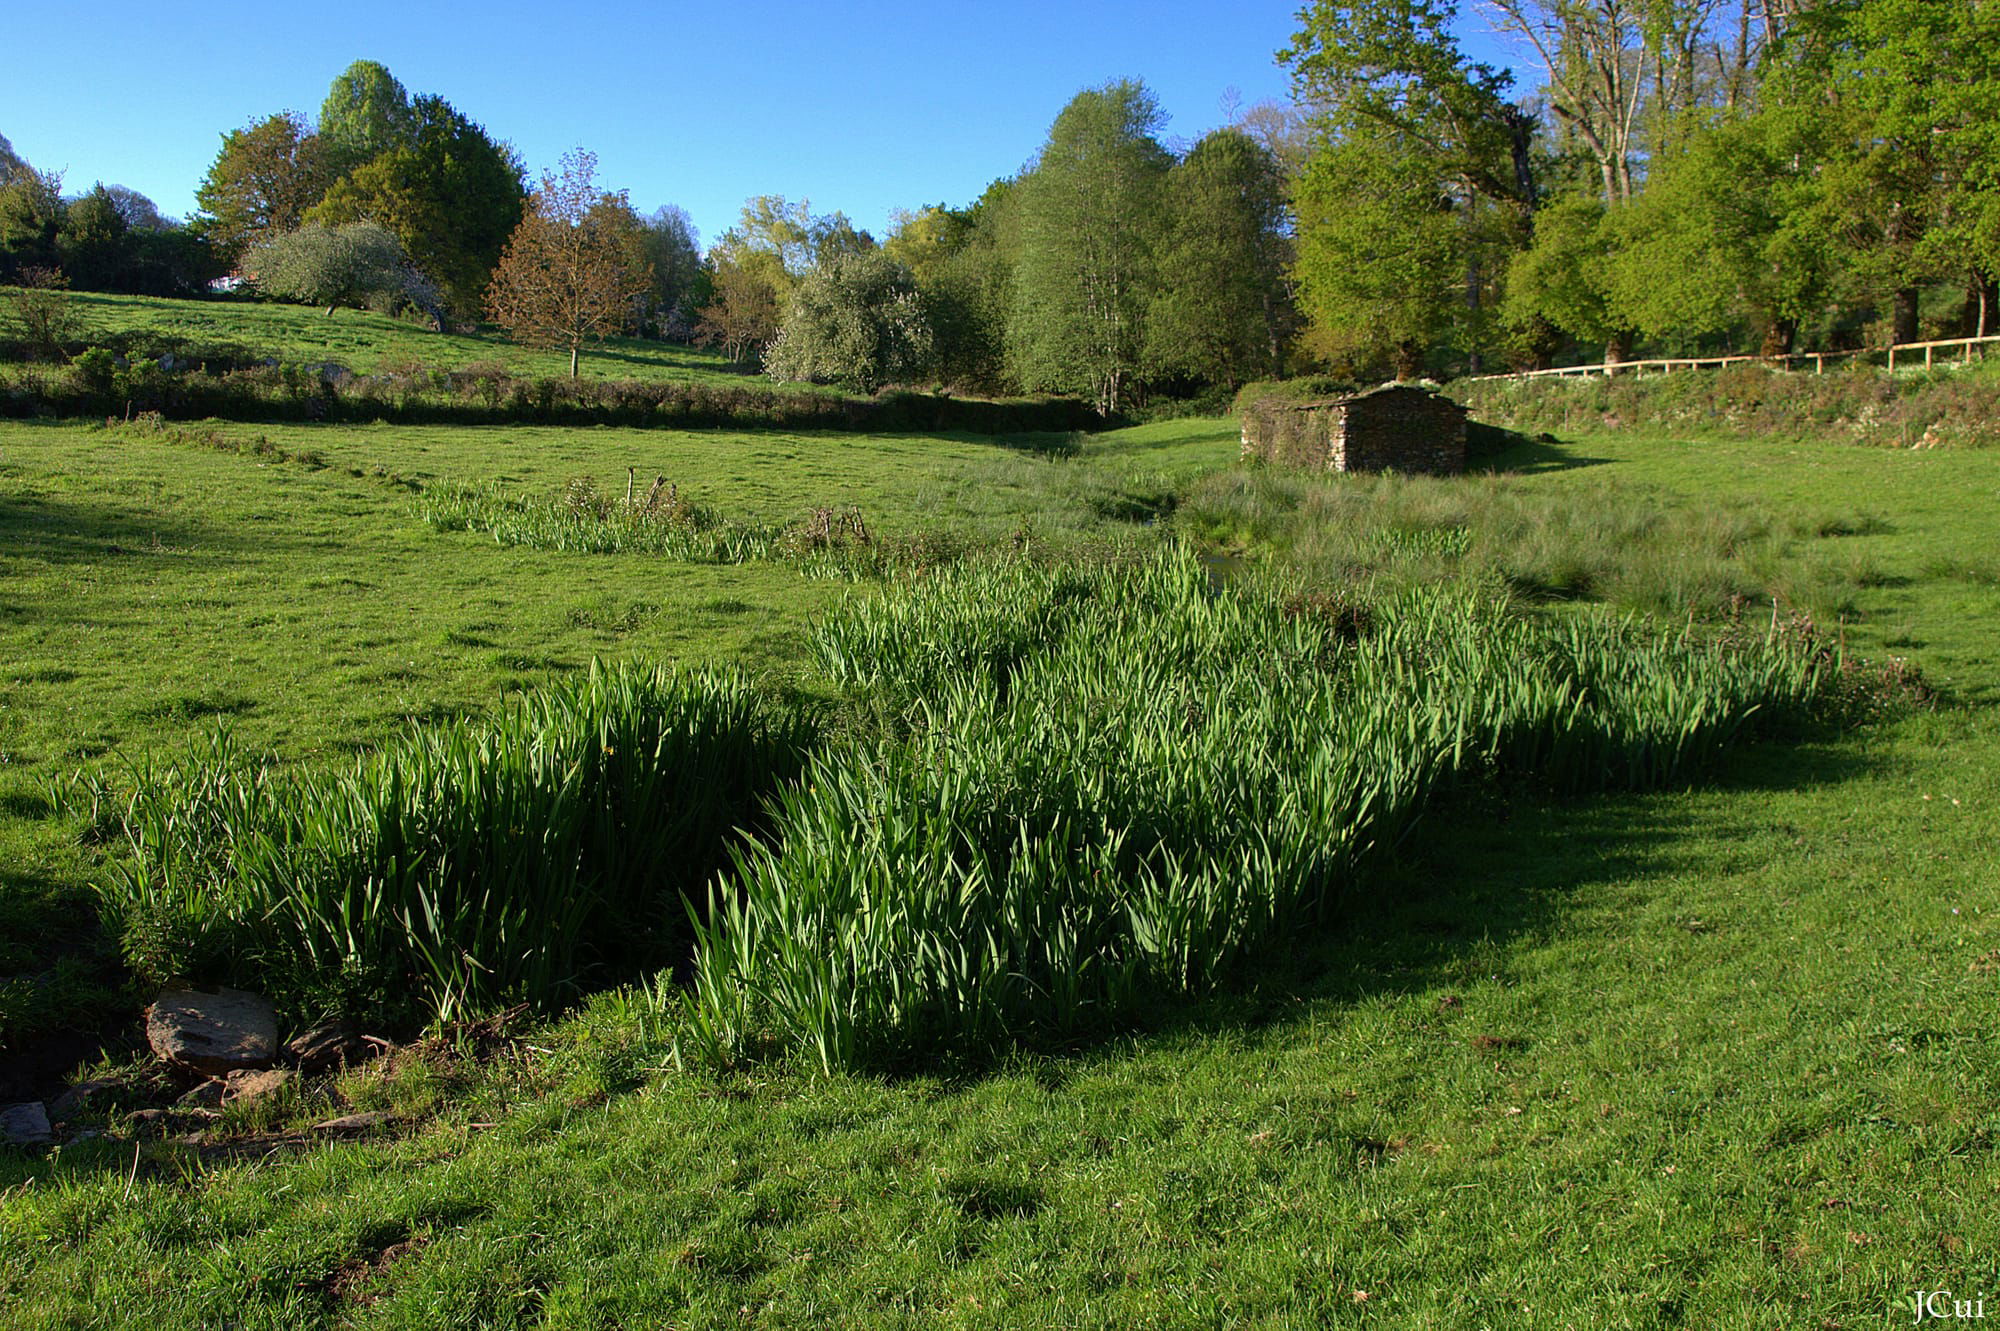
x: 97, y: 384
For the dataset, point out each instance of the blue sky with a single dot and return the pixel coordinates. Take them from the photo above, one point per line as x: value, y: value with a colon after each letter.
x: 858, y: 107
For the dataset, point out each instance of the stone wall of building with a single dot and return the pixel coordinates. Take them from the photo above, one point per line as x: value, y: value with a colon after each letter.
x: 1395, y: 427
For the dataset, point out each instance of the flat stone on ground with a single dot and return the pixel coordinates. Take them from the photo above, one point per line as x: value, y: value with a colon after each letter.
x: 25, y: 1124
x: 213, y: 1033
x: 246, y: 1087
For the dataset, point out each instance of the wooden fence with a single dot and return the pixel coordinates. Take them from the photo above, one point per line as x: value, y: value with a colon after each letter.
x: 1818, y: 359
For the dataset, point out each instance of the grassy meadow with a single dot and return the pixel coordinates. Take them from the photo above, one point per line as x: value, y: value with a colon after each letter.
x: 1714, y: 1053
x: 370, y: 343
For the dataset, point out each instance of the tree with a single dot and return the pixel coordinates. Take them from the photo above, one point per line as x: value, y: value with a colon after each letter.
x: 330, y: 266
x: 1090, y: 218
x: 1383, y: 254
x: 1220, y: 312
x: 567, y: 276
x: 1902, y: 97
x: 1729, y: 237
x: 140, y: 213
x: 781, y: 241
x: 962, y: 264
x: 857, y: 321
x: 451, y: 194
x: 672, y: 249
x: 262, y: 182
x: 10, y: 161
x: 1627, y: 81
x: 93, y: 242
x: 1421, y: 182
x: 366, y: 113
x: 743, y: 314
x: 31, y: 213
x: 1393, y: 69
x: 1565, y: 278
x: 177, y: 261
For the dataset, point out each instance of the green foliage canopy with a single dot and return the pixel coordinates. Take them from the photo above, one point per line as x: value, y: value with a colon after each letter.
x: 1219, y: 313
x: 262, y: 182
x: 366, y: 113
x: 1090, y: 221
x: 330, y: 265
x: 451, y: 194
x: 857, y: 321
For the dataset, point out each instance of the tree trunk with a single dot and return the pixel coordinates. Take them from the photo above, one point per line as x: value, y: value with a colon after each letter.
x: 1904, y: 319
x: 1779, y: 337
x: 572, y: 360
x: 1409, y: 361
x: 1978, y: 301
x: 1617, y: 348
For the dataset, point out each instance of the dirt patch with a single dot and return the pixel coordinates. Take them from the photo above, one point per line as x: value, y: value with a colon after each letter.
x: 357, y: 1280
x: 1497, y: 1044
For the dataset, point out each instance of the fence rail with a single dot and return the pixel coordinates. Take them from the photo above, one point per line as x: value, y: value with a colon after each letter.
x: 1668, y: 364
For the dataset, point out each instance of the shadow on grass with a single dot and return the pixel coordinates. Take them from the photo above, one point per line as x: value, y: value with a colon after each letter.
x: 66, y: 532
x: 1496, y: 450
x: 1478, y: 873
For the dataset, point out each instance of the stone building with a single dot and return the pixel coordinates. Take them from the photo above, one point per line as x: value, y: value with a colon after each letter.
x: 1397, y: 427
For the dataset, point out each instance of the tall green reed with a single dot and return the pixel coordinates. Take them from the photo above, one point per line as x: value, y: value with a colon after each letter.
x: 1121, y: 784
x: 469, y: 865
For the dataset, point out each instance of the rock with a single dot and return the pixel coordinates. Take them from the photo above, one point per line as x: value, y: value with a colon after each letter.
x: 243, y: 1087
x: 208, y: 1095
x: 363, y: 1122
x: 212, y: 1033
x: 324, y: 1048
x: 25, y: 1124
x: 71, y: 1102
x: 146, y: 1122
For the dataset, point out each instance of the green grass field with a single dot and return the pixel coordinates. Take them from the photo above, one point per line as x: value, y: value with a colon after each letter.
x: 1714, y: 1057
x: 368, y: 343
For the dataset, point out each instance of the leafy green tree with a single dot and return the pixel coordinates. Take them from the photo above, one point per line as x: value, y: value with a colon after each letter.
x: 93, y: 242
x: 1383, y: 254
x: 857, y: 321
x: 31, y: 214
x: 366, y: 113
x: 1422, y: 180
x: 568, y: 275
x: 1220, y: 311
x: 963, y: 262
x: 782, y: 241
x: 174, y: 261
x: 1905, y: 94
x: 1565, y: 278
x: 10, y: 161
x: 1727, y: 238
x: 1090, y: 219
x: 451, y: 194
x: 262, y: 182
x: 358, y: 264
x: 1393, y: 70
x: 672, y: 250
